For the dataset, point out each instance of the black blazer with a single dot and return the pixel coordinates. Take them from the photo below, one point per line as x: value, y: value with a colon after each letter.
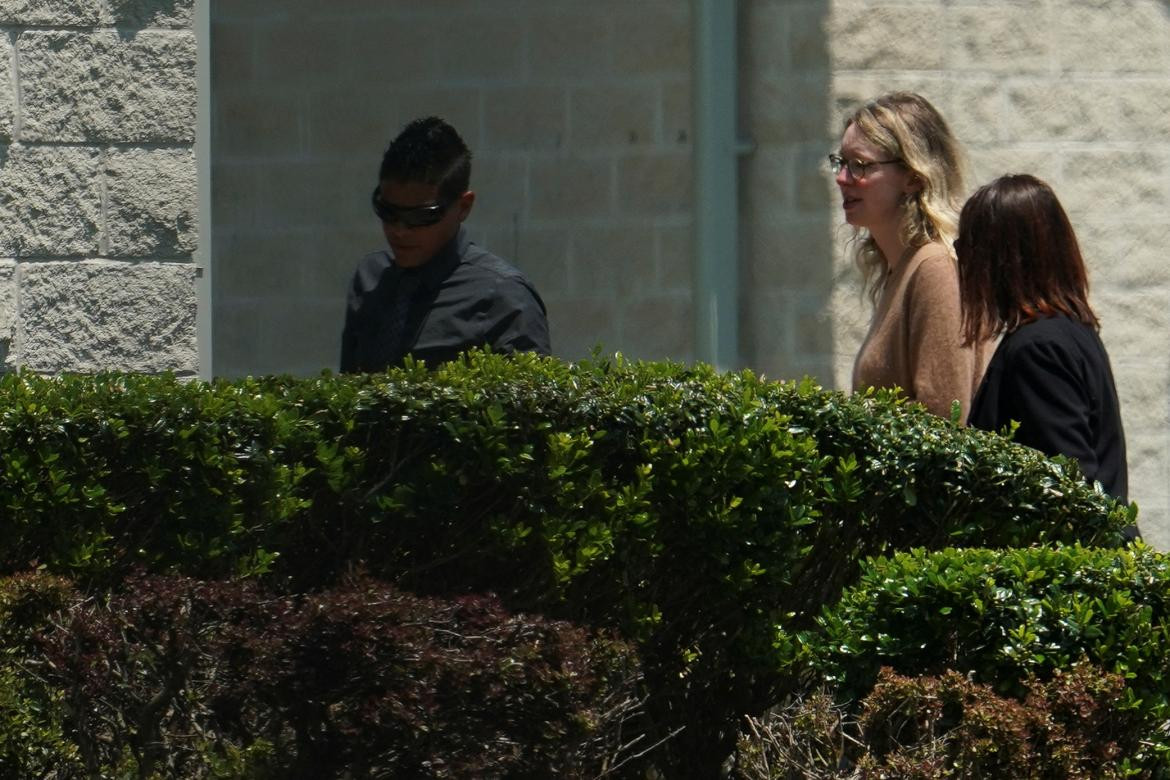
x: 1053, y: 377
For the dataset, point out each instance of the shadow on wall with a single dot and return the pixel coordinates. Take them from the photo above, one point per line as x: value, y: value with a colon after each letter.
x: 580, y: 126
x: 787, y: 231
x: 139, y: 14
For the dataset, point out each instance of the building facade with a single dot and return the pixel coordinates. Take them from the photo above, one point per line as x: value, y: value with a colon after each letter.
x: 581, y: 117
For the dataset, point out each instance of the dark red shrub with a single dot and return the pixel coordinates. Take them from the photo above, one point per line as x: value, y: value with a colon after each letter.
x: 1072, y: 727
x: 1075, y: 726
x: 172, y: 675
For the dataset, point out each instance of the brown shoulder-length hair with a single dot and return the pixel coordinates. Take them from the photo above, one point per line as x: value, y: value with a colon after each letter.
x: 1018, y: 259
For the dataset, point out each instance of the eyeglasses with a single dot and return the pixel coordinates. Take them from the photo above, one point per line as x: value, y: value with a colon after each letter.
x: 415, y: 216
x: 857, y: 168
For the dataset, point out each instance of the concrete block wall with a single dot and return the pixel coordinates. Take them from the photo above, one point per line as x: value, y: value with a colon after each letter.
x: 578, y: 118
x: 98, y: 185
x: 788, y: 277
x: 1074, y: 91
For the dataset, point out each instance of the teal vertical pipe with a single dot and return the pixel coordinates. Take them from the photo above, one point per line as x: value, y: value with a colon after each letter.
x: 203, y: 254
x: 716, y: 150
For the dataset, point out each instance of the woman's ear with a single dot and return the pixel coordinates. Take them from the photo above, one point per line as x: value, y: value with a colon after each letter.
x: 914, y: 184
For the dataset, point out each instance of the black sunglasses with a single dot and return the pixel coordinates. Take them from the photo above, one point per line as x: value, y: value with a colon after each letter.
x: 415, y: 216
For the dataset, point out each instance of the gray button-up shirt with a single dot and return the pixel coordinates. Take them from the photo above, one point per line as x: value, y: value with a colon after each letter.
x: 465, y: 297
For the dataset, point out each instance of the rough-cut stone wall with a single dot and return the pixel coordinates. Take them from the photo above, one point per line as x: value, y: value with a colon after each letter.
x: 97, y: 185
x: 578, y: 116
x: 1074, y: 91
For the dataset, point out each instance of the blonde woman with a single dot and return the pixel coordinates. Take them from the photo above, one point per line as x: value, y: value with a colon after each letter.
x: 899, y: 171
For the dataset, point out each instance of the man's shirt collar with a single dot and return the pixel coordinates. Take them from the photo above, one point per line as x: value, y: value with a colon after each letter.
x: 432, y: 273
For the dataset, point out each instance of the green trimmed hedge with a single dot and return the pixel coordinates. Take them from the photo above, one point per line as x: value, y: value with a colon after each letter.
x: 707, y: 515
x: 1005, y: 616
x: 107, y: 472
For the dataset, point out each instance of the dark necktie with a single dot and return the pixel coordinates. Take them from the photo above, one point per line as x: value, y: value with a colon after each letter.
x: 397, y: 337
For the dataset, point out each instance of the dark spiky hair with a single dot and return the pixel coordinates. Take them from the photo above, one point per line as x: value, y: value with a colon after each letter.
x: 428, y: 150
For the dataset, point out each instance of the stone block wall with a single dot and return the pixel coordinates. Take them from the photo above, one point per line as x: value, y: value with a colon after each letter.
x: 1074, y: 91
x: 788, y: 226
x: 97, y: 185
x: 578, y: 118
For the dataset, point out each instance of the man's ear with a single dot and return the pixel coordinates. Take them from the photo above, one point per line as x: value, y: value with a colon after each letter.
x: 464, y: 204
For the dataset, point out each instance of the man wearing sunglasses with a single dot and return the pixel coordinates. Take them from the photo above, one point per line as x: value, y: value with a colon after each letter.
x: 434, y: 294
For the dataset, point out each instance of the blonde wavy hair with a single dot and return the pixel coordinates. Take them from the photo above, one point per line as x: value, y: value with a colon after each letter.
x: 907, y: 127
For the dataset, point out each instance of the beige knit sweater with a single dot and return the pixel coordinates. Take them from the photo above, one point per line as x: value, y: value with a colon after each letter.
x: 914, y: 339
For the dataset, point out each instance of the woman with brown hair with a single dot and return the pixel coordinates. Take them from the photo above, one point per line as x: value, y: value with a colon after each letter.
x: 900, y: 173
x: 1022, y: 275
